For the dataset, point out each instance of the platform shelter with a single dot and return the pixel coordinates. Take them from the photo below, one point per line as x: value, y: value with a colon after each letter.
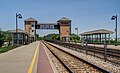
x: 96, y: 35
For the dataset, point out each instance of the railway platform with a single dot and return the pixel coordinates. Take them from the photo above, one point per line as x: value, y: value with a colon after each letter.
x: 44, y: 65
x: 30, y: 58
x: 101, y: 45
x: 108, y: 46
x: 19, y: 59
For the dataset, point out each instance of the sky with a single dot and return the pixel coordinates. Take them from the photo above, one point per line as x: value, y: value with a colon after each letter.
x: 86, y: 15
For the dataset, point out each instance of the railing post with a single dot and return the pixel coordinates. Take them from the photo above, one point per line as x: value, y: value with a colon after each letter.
x: 105, y: 49
x: 86, y: 47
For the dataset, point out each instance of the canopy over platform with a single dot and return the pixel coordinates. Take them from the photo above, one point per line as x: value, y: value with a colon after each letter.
x: 100, y: 31
x: 18, y: 31
x: 96, y: 35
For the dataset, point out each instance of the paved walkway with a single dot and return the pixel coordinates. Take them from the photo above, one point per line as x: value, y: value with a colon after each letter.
x: 43, y: 62
x: 18, y: 60
x: 108, y: 46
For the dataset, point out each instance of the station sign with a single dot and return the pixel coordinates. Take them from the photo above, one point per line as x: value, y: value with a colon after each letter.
x: 46, y: 26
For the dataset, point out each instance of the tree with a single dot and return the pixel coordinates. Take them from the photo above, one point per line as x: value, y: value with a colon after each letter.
x: 5, y: 36
x: 75, y: 37
x: 2, y: 36
x: 51, y: 37
x: 8, y: 38
x: 40, y: 38
x: 37, y: 36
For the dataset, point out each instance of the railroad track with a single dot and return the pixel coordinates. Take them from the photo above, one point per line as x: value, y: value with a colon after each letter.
x: 112, y: 55
x: 73, y: 63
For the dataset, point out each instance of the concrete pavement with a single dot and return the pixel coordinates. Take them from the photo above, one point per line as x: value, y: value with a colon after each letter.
x: 18, y: 60
x: 101, y: 45
x: 108, y: 46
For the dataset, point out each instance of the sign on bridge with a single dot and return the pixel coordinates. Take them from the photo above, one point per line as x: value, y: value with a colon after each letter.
x: 47, y: 26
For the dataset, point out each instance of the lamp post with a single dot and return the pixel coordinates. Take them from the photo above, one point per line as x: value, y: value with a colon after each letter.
x: 77, y: 30
x: 0, y: 38
x: 113, y: 18
x: 77, y: 35
x: 17, y: 16
x: 0, y: 33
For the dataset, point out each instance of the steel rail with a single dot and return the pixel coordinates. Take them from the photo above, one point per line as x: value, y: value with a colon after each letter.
x: 68, y: 69
x: 95, y: 66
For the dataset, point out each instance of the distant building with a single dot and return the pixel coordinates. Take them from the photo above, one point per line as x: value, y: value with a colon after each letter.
x: 22, y: 36
x: 30, y: 24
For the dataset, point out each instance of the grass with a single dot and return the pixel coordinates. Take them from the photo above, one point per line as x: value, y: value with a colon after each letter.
x: 115, y: 44
x: 7, y: 48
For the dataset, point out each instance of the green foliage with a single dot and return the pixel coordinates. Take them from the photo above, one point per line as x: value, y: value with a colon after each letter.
x: 75, y: 37
x: 51, y: 37
x: 2, y: 37
x: 1, y: 42
x: 5, y: 36
x: 8, y: 37
x: 40, y: 38
x: 37, y: 36
x: 5, y: 49
x: 113, y: 42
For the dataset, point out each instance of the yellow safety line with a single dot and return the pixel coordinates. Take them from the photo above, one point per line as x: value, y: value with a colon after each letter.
x: 33, y: 60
